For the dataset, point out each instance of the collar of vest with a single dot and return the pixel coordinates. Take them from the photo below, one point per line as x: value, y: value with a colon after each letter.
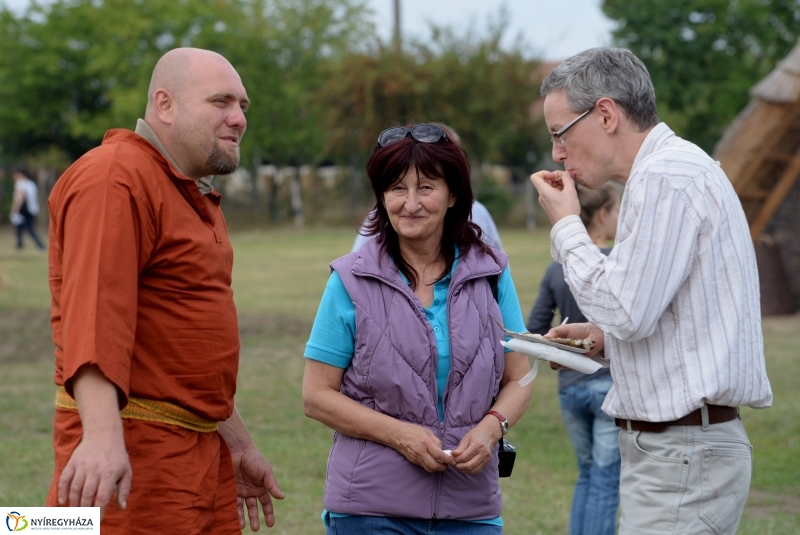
x: 372, y: 260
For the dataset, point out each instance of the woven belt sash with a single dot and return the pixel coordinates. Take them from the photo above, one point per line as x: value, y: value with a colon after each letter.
x: 151, y: 411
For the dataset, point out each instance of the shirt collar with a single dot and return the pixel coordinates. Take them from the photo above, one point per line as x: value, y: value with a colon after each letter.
x: 444, y: 280
x: 143, y: 129
x: 655, y: 138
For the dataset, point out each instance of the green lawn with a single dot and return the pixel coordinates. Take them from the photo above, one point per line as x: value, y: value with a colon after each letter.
x: 278, y: 280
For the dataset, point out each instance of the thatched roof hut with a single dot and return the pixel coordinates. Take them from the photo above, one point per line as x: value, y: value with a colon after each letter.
x: 760, y: 152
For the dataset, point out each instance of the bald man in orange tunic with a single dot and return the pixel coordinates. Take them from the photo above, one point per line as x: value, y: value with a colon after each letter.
x: 147, y: 343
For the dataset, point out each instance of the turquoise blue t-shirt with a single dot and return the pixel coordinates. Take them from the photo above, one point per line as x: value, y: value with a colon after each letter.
x: 333, y: 334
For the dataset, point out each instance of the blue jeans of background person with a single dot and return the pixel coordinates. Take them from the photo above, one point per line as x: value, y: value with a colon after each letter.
x: 387, y: 525
x: 596, y: 441
x: 29, y: 224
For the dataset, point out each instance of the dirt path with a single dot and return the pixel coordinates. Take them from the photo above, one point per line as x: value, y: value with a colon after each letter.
x: 25, y: 336
x: 763, y: 504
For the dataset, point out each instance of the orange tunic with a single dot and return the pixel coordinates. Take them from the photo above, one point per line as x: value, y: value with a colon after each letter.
x: 140, y: 274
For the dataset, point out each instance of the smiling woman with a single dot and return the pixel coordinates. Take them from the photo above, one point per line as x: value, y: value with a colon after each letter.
x: 417, y: 205
x: 437, y: 170
x: 413, y: 309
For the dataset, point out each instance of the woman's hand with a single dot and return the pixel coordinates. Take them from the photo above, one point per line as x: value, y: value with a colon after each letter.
x: 323, y: 401
x: 475, y: 450
x: 421, y: 447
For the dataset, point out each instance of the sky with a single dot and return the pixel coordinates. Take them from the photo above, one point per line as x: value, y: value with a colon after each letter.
x: 553, y: 30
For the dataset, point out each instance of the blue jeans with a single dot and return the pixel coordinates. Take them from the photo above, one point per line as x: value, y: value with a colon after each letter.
x: 596, y: 441
x: 388, y: 525
x: 29, y: 224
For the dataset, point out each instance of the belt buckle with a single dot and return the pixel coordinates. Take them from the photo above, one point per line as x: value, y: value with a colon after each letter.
x: 634, y: 425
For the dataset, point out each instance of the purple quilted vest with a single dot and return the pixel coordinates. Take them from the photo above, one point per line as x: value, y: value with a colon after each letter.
x: 393, y: 371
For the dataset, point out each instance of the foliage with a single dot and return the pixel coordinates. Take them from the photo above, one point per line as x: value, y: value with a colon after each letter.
x: 704, y: 55
x: 497, y: 198
x: 6, y: 195
x: 283, y: 53
x: 71, y: 69
x: 469, y: 82
x: 322, y: 85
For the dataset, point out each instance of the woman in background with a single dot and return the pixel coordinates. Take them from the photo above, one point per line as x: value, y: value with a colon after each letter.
x: 594, y: 436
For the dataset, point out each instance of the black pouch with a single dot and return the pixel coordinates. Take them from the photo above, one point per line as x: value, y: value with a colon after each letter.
x: 507, y: 455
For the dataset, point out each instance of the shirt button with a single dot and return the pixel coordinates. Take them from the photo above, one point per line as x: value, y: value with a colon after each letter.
x: 435, y: 301
x: 436, y: 329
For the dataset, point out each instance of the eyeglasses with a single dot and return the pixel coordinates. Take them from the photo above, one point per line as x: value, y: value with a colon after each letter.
x: 424, y: 133
x: 557, y: 136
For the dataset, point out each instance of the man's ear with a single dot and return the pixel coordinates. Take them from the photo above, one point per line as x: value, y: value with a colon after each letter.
x: 164, y: 105
x: 609, y: 112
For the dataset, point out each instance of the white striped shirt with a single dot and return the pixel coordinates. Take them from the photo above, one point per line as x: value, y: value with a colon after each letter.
x: 678, y: 297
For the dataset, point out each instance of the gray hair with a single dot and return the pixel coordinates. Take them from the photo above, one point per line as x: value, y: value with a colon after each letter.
x: 606, y: 72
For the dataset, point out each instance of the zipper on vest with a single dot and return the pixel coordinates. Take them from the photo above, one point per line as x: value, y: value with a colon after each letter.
x: 437, y: 478
x: 437, y: 487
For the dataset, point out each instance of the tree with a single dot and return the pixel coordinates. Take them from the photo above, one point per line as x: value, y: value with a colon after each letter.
x: 71, y: 69
x: 467, y: 81
x: 283, y: 57
x: 704, y: 55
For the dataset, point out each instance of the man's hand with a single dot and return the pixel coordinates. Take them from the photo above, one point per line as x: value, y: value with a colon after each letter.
x: 255, y: 483
x: 557, y: 194
x: 99, y: 466
x: 577, y: 331
x: 474, y: 452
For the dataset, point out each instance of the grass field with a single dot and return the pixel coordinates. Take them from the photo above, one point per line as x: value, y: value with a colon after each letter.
x: 278, y: 280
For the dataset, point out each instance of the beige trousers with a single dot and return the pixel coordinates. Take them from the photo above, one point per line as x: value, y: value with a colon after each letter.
x: 688, y: 480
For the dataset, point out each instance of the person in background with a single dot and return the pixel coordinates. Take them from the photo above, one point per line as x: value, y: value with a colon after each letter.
x: 25, y: 207
x: 144, y: 322
x: 594, y: 436
x: 480, y: 214
x: 405, y: 360
x: 674, y: 306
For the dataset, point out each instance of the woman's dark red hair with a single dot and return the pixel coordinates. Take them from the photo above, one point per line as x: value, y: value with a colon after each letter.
x: 443, y: 160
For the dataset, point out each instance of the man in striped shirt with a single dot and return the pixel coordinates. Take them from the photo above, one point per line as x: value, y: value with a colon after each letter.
x: 675, y: 305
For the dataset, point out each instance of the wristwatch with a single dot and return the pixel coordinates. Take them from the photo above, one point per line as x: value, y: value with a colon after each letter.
x: 503, y: 421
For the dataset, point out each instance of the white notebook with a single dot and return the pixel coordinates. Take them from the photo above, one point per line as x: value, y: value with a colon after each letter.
x: 549, y: 353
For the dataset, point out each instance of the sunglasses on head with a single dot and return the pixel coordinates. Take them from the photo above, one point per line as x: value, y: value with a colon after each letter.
x: 424, y: 133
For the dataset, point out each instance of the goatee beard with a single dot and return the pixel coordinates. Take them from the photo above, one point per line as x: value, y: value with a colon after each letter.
x: 223, y: 162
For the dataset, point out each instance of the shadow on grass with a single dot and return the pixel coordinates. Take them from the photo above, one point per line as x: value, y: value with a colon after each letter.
x: 25, y: 336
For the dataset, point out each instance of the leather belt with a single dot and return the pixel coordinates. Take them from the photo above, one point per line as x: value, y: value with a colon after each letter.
x: 717, y: 414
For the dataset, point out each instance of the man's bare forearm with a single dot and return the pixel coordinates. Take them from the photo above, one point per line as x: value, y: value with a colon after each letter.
x: 235, y: 432
x: 96, y: 398
x: 99, y: 466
